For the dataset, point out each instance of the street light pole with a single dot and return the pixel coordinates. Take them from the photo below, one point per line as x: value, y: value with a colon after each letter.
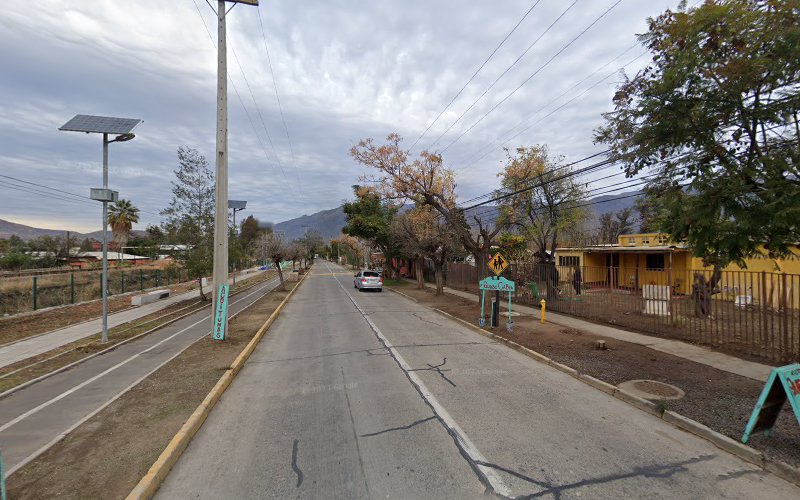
x: 104, y: 280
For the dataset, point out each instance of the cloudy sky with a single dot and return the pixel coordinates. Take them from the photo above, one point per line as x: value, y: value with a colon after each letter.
x: 344, y: 70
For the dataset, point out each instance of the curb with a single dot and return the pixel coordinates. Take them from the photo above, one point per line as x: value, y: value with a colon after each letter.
x: 110, y: 348
x: 150, y: 483
x: 409, y: 297
x: 721, y: 441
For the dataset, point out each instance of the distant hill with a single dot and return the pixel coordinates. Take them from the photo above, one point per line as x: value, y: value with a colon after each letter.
x: 8, y: 228
x: 329, y: 223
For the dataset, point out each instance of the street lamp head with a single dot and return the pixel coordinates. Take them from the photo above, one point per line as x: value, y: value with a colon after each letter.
x: 123, y: 138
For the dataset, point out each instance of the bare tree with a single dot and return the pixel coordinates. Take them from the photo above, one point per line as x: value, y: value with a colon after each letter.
x: 424, y: 233
x: 273, y: 247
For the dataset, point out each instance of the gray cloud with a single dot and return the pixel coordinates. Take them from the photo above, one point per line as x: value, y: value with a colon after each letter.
x: 344, y: 70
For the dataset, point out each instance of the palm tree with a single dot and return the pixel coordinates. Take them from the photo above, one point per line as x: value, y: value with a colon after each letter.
x: 122, y: 215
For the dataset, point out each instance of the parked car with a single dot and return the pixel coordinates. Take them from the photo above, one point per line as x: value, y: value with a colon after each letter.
x: 368, y: 280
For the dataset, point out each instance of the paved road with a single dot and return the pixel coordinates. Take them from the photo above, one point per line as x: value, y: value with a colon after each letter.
x: 33, y: 346
x: 367, y: 395
x: 33, y: 417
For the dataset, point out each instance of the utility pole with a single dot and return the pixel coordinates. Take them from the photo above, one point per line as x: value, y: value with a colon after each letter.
x: 220, y: 274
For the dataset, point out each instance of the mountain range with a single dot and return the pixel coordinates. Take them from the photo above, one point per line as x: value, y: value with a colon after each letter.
x: 328, y: 223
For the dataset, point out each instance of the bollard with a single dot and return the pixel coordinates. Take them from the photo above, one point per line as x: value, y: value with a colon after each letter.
x: 122, y: 280
x: 71, y: 288
x: 141, y: 280
x: 544, y: 306
x: 34, y: 292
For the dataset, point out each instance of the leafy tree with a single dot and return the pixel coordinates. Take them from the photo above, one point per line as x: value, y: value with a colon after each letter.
x: 16, y: 244
x: 715, y: 115
x: 612, y: 226
x: 122, y: 215
x: 548, y: 208
x: 250, y: 232
x: 190, y: 214
x: 425, y: 181
x: 370, y: 217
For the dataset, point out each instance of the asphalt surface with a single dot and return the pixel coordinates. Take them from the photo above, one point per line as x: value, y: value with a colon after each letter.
x: 32, y: 418
x: 367, y: 395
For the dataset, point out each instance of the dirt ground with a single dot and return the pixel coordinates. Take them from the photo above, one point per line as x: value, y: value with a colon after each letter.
x: 21, y: 326
x: 106, y: 456
x: 718, y: 399
x: 18, y: 327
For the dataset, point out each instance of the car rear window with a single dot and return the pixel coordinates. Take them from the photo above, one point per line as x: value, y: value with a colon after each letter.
x: 371, y: 274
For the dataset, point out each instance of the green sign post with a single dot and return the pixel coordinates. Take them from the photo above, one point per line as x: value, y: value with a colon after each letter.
x: 221, y: 316
x: 497, y: 284
x: 783, y: 383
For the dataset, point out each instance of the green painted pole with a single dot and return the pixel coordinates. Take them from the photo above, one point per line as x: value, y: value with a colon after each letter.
x: 71, y: 288
x: 122, y: 281
x: 141, y: 280
x: 34, y: 292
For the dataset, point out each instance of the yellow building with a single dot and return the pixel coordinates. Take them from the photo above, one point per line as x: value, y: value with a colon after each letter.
x: 651, y: 259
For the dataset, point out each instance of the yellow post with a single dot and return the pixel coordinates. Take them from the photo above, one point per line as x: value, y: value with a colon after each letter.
x: 544, y: 306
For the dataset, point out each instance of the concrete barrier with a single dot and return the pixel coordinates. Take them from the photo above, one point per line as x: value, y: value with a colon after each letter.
x: 149, y: 297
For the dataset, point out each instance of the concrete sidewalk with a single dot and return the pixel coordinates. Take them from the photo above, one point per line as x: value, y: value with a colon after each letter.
x: 33, y: 346
x: 698, y: 354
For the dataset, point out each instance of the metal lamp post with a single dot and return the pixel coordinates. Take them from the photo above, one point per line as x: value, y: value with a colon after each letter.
x: 236, y: 206
x: 123, y: 129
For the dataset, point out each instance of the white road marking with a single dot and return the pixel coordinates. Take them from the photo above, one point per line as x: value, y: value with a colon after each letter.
x: 83, y: 384
x: 500, y: 487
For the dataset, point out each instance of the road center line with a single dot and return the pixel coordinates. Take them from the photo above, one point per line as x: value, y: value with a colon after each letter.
x: 83, y: 384
x: 487, y: 475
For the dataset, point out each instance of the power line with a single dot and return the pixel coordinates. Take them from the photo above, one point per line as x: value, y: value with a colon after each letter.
x: 236, y: 91
x: 475, y: 74
x: 503, y: 74
x: 553, y: 57
x: 43, y: 186
x: 278, y: 99
x: 488, y: 148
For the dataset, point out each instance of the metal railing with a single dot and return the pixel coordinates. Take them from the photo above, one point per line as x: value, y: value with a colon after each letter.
x: 751, y: 314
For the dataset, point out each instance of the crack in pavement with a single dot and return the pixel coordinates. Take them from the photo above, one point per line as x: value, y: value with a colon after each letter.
x: 401, y: 428
x: 417, y: 315
x: 294, y: 463
x: 300, y: 358
x: 437, y: 369
x: 740, y: 473
x: 652, y: 471
x: 355, y: 436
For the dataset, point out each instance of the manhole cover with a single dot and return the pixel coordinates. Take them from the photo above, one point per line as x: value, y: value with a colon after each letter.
x: 652, y: 390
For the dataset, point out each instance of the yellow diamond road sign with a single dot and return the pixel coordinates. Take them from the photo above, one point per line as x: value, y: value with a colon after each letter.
x: 498, y: 264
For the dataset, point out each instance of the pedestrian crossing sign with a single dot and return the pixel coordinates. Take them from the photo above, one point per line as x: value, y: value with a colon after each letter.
x: 498, y: 264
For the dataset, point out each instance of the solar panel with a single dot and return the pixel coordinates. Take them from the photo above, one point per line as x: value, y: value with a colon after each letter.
x: 101, y: 124
x: 248, y: 2
x: 237, y: 204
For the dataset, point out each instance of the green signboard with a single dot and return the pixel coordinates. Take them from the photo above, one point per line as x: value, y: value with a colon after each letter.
x: 783, y: 383
x: 221, y: 315
x: 498, y: 284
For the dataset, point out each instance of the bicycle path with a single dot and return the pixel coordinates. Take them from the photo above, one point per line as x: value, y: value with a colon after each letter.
x: 36, y: 417
x: 33, y: 346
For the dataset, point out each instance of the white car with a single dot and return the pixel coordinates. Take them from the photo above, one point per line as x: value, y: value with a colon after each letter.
x: 368, y: 280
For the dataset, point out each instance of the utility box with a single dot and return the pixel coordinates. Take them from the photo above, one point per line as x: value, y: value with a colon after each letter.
x: 101, y: 194
x: 656, y: 299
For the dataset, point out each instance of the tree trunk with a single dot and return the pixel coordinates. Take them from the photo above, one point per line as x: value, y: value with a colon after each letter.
x: 280, y: 275
x: 439, y: 280
x: 420, y: 278
x: 703, y: 290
